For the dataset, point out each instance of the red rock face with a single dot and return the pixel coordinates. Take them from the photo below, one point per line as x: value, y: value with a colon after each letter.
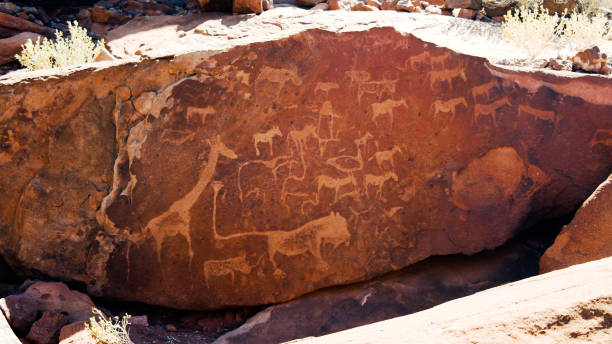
x: 281, y: 167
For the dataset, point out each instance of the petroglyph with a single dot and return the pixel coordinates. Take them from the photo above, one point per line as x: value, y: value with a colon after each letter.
x: 325, y: 86
x: 448, y: 106
x: 177, y: 219
x: 358, y: 75
x: 391, y: 212
x: 602, y: 136
x: 272, y: 164
x: 279, y: 76
x: 387, y: 155
x: 489, y: 109
x: 386, y: 108
x: 309, y: 238
x: 446, y: 75
x: 421, y: 59
x: 438, y: 61
x: 484, y: 89
x: 334, y: 184
x: 226, y: 267
x: 201, y: 113
x: 337, y: 162
x: 267, y: 137
x: 549, y: 116
x: 378, y: 181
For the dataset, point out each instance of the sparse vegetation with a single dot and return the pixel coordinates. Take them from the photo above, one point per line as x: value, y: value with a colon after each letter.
x: 77, y: 49
x: 533, y: 29
x: 108, y: 330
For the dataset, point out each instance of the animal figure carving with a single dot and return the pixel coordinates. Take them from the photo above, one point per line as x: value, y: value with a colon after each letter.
x: 386, y: 108
x: 387, y: 155
x: 331, y: 229
x: 227, y: 267
x: 177, y: 219
x: 334, y: 184
x: 267, y: 137
x: 379, y: 181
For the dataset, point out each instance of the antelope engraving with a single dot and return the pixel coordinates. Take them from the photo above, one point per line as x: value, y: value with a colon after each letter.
x: 379, y: 181
x: 387, y: 155
x: 489, y: 109
x: 484, y: 89
x: 267, y: 137
x: 227, y: 267
x: 446, y: 75
x: 386, y: 108
x: 448, y: 105
x: 334, y: 184
x: 549, y: 116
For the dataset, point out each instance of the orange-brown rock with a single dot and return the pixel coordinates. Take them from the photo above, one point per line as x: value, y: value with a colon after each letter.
x: 246, y: 172
x: 587, y: 237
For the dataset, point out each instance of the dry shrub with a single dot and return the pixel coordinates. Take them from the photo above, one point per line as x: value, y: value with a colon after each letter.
x: 79, y: 48
x: 108, y: 330
x: 534, y: 29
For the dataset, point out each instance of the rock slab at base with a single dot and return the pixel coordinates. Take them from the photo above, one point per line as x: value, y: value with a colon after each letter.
x: 421, y: 286
x: 563, y: 306
x: 588, y: 237
x: 251, y: 172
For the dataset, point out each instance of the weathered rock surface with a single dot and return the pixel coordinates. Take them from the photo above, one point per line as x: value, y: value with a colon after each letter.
x: 587, y: 237
x: 20, y: 310
x: 46, y: 329
x: 416, y: 288
x: 11, y: 46
x: 565, y: 306
x: 56, y: 297
x: 254, y: 171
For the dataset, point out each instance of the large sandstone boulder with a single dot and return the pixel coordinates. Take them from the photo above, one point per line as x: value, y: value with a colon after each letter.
x: 573, y: 305
x: 279, y: 158
x: 587, y: 237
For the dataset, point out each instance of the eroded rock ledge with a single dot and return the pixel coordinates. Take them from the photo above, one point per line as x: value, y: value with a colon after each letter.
x: 255, y: 173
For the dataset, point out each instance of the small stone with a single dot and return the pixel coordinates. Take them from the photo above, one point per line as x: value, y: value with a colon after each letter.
x: 433, y: 9
x: 12, y: 45
x: 20, y: 311
x: 46, y: 329
x: 139, y: 320
x: 471, y: 4
x: 324, y: 6
x: 76, y: 333
x: 309, y: 3
x: 9, y: 7
x: 557, y: 64
x: 374, y: 3
x: 591, y: 60
x: 102, y: 15
x: 499, y: 19
x: 496, y: 8
x: 464, y: 13
x: 122, y: 94
x: 388, y: 5
x: 560, y: 6
x: 361, y: 6
x: 171, y: 328
x: 407, y: 6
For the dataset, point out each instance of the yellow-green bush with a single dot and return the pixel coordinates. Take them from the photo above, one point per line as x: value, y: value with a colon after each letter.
x: 77, y: 49
x: 108, y: 331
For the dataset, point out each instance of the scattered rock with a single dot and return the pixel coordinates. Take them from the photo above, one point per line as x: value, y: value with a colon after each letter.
x: 171, y: 328
x: 433, y: 9
x: 55, y: 296
x: 470, y: 4
x: 102, y: 15
x: 46, y: 329
x: 464, y: 13
x: 76, y: 333
x: 558, y: 64
x: 140, y: 320
x: 588, y: 236
x: 324, y: 6
x: 498, y: 8
x: 389, y: 5
x: 560, y: 6
x: 309, y: 3
x: 408, y: 6
x: 11, y: 46
x: 21, y: 311
x: 591, y: 60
